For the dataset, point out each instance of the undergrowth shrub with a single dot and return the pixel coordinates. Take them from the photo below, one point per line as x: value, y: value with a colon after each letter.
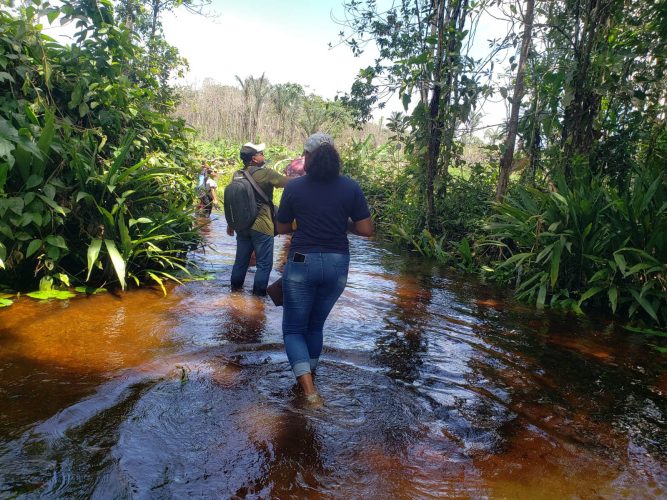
x: 94, y: 174
x: 392, y: 183
x: 587, y: 244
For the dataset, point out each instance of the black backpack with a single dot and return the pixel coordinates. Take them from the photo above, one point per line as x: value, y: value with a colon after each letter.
x: 241, y: 206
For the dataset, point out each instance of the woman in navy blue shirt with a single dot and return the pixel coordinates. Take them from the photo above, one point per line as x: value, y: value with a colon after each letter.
x: 325, y: 206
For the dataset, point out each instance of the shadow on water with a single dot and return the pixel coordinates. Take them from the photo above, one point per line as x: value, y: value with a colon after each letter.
x: 434, y: 385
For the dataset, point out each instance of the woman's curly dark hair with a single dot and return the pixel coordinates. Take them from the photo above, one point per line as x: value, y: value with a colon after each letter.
x: 323, y: 164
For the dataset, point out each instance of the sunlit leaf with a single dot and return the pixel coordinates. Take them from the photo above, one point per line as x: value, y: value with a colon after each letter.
x: 52, y: 15
x: 117, y: 261
x: 46, y: 284
x: 33, y: 247
x: 89, y: 290
x: 93, y: 253
x: 51, y: 294
x: 158, y: 280
x: 140, y: 220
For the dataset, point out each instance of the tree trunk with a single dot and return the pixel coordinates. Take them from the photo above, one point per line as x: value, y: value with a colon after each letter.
x: 535, y: 139
x: 436, y: 120
x: 156, y: 15
x: 455, y: 22
x: 513, y: 125
x: 578, y: 121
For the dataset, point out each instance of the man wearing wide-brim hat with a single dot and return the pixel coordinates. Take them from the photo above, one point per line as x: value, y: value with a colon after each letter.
x: 259, y: 238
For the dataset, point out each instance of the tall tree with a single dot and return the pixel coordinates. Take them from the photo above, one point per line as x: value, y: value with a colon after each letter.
x: 255, y: 91
x: 582, y: 101
x: 287, y: 99
x: 144, y: 16
x: 421, y: 53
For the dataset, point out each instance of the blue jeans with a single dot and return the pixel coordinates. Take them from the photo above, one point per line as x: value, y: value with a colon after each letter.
x: 310, y: 290
x: 262, y: 244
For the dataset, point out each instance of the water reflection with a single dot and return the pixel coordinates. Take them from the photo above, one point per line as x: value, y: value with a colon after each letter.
x: 402, y: 343
x: 291, y: 449
x: 244, y: 318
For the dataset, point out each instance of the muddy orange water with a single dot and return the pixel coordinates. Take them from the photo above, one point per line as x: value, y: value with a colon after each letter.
x: 435, y: 385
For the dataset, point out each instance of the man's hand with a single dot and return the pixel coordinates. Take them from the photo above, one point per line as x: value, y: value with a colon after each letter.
x: 230, y: 231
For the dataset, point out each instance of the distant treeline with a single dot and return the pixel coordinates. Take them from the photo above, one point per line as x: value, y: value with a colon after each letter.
x: 260, y: 111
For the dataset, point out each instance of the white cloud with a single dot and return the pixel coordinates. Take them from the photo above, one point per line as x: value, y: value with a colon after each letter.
x: 232, y: 46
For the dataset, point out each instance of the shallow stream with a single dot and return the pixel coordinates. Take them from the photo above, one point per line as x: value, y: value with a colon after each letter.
x: 435, y: 385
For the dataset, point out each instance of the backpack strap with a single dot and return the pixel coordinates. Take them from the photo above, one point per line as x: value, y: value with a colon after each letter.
x: 258, y: 190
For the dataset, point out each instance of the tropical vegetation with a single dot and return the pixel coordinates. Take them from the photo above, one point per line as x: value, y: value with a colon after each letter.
x: 94, y: 172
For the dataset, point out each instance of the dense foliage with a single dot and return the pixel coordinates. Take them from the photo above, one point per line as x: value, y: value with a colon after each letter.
x: 94, y: 184
x: 589, y: 243
x: 582, y: 221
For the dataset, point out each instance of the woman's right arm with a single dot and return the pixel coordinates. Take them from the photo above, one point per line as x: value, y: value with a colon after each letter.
x: 284, y: 214
x: 283, y: 228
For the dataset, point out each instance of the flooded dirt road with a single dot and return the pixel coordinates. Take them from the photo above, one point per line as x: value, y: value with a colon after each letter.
x: 435, y: 385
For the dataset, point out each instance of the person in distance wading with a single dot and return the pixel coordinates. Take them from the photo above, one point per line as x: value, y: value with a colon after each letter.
x: 259, y: 237
x: 325, y: 206
x: 211, y: 185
